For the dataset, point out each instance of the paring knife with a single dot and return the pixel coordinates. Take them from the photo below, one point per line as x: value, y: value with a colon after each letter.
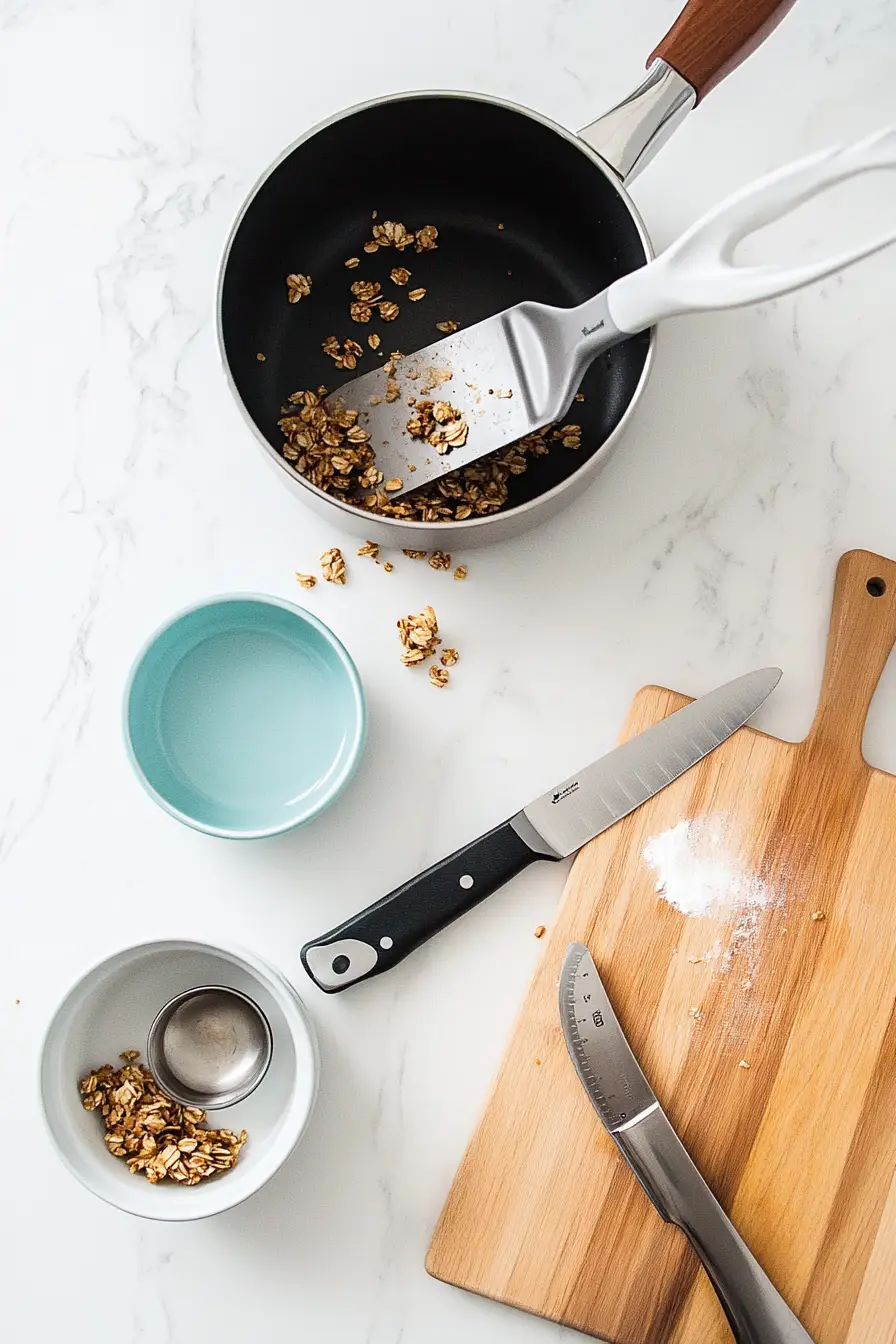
x: 553, y: 827
x: 640, y: 1128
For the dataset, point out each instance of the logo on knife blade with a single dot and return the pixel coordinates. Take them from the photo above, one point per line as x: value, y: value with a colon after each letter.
x: 564, y: 793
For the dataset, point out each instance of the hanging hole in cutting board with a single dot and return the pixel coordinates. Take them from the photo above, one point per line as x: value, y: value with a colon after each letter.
x: 876, y: 587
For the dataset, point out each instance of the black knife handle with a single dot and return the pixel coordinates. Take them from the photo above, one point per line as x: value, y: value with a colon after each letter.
x: 382, y: 935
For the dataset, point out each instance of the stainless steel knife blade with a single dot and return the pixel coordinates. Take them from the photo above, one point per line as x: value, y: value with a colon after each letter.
x: 383, y: 934
x: 582, y: 806
x: 602, y: 1056
x: 643, y: 1133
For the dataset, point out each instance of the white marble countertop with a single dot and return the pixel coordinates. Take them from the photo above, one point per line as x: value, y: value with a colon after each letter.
x: 765, y: 446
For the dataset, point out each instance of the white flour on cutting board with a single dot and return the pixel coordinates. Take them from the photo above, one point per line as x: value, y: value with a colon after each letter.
x: 698, y: 875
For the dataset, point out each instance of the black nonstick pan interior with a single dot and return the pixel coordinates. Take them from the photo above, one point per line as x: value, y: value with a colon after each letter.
x: 465, y: 166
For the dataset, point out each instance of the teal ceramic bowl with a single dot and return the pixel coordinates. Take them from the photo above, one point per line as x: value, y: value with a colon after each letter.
x: 244, y: 716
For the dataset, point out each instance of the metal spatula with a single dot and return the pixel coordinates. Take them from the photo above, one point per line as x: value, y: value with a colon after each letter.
x: 519, y: 371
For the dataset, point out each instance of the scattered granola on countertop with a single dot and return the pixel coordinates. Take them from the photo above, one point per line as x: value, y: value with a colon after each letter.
x: 419, y: 636
x: 438, y: 676
x: 305, y: 580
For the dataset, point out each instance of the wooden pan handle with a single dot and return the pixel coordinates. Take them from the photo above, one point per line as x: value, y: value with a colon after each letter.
x: 860, y: 639
x: 710, y: 38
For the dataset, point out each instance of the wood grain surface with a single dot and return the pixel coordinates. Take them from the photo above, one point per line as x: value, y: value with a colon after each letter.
x: 798, y: 1141
x: 710, y: 38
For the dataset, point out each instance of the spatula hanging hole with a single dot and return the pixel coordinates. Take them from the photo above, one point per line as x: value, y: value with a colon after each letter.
x: 876, y: 587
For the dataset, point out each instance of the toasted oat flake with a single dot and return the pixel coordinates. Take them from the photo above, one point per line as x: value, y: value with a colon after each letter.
x: 298, y: 286
x: 540, y: 931
x: 580, y: 396
x: 395, y: 484
x: 345, y: 356
x: 504, y: 393
x: 440, y: 560
x: 389, y: 310
x: 260, y: 357
x: 500, y: 226
x: 373, y: 341
x: 426, y: 238
x: 460, y: 573
x: 371, y: 247
x: 569, y: 435
x: 449, y: 325
x: 400, y: 275
x: 388, y: 566
x: 449, y: 657
x: 333, y: 565
x: 415, y: 555
x: 353, y: 262
x: 370, y: 548
x: 305, y: 580
x: 415, y: 295
x: 360, y: 312
x: 419, y: 636
x: 367, y: 291
x: 392, y: 233
x: 158, y: 1138
x: 439, y: 676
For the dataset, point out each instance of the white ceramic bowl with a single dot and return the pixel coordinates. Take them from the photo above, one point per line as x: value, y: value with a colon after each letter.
x: 110, y: 1009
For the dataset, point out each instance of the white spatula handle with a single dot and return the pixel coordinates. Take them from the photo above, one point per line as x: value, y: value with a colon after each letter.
x: 697, y: 273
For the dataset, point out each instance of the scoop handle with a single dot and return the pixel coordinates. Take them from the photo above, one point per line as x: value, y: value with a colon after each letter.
x: 697, y: 272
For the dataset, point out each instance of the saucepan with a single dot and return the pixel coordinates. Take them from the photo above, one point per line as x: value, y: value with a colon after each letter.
x: 524, y: 210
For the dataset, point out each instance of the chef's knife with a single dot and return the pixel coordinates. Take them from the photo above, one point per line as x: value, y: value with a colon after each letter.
x: 553, y: 827
x: 640, y: 1128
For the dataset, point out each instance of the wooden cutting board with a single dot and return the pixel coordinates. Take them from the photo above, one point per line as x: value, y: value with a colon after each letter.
x: 744, y: 923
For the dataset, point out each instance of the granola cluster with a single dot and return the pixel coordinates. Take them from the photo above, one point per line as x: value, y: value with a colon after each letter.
x: 439, y: 424
x: 157, y: 1138
x: 333, y: 451
x: 327, y: 445
x: 420, y: 639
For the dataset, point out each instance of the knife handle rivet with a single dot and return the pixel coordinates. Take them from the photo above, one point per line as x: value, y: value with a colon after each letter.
x: 386, y: 943
x: 466, y: 882
x: 340, y: 964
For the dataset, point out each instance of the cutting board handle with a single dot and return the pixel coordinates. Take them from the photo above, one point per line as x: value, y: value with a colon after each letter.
x: 860, y: 639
